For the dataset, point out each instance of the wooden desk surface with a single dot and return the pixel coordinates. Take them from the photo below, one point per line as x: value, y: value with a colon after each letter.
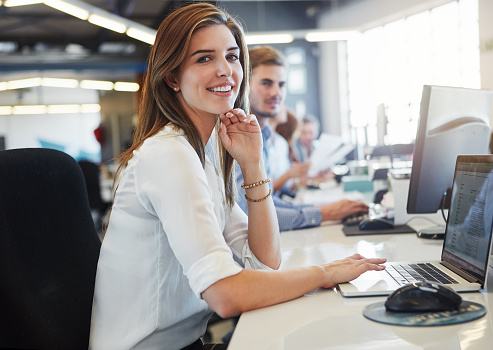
x: 325, y: 320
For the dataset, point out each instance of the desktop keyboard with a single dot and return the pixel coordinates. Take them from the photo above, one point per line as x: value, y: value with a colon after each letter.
x: 354, y: 219
x: 404, y: 274
x: 375, y: 210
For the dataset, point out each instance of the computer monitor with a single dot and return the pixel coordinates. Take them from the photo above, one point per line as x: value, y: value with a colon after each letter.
x: 452, y: 121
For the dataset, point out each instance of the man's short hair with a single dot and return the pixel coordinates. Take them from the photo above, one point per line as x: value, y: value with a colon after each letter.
x: 265, y: 55
x: 308, y: 118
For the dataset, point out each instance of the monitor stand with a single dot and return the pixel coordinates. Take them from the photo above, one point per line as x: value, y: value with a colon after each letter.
x: 438, y: 231
x: 432, y: 232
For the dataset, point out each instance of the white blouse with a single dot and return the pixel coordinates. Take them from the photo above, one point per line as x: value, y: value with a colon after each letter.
x: 170, y: 237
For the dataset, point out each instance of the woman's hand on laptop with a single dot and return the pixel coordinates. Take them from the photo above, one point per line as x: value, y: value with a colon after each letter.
x: 348, y: 269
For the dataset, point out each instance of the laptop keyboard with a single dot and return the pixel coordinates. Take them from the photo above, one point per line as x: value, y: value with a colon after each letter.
x: 404, y: 274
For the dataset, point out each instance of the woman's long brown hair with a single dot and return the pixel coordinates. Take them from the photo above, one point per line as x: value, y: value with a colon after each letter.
x: 159, y: 105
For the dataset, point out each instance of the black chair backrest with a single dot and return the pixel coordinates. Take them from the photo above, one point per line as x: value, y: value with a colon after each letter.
x: 49, y: 250
x: 399, y: 149
x: 92, y: 176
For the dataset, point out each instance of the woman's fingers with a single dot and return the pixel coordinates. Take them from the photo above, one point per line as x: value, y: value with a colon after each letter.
x: 361, y: 259
x: 350, y: 268
x: 234, y: 116
x: 251, y: 119
x: 237, y: 115
x: 375, y: 264
x: 356, y: 257
x: 362, y: 264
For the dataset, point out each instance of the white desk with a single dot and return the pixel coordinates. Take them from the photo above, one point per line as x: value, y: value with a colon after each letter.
x: 326, y: 320
x: 331, y: 191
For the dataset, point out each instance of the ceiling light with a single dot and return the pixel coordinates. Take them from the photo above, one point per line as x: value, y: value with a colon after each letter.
x: 23, y: 83
x: 12, y: 3
x: 96, y: 84
x: 104, y: 19
x: 33, y: 109
x: 268, y: 39
x: 116, y: 48
x: 65, y: 109
x: 90, y: 108
x: 105, y: 22
x: 7, y: 46
x: 5, y: 110
x: 68, y: 83
x: 71, y: 9
x: 55, y: 82
x: 122, y: 86
x: 141, y: 35
x: 52, y: 109
x: 329, y: 36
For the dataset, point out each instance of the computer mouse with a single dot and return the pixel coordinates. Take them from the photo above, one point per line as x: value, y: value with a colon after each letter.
x: 423, y: 297
x: 375, y: 223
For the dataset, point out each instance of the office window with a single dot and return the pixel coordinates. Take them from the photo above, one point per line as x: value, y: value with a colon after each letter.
x: 388, y: 66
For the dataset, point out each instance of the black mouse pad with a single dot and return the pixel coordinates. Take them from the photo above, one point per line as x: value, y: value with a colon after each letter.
x: 355, y: 231
x: 468, y: 311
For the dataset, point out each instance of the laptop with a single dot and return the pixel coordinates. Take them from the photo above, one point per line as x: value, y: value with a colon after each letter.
x: 466, y: 247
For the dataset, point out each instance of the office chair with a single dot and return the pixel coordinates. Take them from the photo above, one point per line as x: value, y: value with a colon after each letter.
x: 393, y: 151
x: 49, y: 250
x: 99, y: 208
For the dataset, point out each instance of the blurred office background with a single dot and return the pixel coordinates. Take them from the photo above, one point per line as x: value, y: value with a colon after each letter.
x: 69, y: 83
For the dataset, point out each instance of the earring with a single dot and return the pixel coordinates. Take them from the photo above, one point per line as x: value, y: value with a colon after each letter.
x: 175, y: 88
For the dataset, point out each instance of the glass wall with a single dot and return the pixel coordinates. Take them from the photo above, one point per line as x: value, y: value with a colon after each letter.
x: 388, y: 66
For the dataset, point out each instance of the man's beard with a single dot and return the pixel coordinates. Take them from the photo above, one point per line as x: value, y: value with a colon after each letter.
x: 259, y: 114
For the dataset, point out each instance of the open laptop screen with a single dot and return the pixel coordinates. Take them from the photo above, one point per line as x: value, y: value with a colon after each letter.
x: 468, y: 234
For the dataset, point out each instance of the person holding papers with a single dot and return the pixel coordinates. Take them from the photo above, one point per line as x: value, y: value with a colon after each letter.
x: 305, y: 143
x: 267, y: 93
x: 315, y: 149
x: 289, y: 174
x: 283, y: 171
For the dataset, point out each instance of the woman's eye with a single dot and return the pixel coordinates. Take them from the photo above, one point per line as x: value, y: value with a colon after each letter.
x: 232, y: 57
x: 203, y: 59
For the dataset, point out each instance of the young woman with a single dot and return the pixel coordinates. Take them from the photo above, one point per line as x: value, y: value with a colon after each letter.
x: 177, y: 246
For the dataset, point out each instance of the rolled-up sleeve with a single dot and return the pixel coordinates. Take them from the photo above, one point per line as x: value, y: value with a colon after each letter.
x: 236, y: 235
x: 200, y: 276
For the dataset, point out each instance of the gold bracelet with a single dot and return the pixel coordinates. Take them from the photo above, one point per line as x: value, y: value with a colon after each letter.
x: 258, y: 200
x: 261, y: 182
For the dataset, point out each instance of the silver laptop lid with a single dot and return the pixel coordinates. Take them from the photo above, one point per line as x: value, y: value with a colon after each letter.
x: 468, y: 232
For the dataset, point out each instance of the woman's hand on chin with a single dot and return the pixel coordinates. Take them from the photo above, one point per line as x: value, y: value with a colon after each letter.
x: 241, y: 136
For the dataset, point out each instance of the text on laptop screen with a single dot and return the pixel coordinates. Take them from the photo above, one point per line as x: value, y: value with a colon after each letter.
x: 470, y: 218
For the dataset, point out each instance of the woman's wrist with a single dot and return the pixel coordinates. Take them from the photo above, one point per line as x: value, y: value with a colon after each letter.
x: 246, y: 186
x: 253, y: 172
x: 321, y: 275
